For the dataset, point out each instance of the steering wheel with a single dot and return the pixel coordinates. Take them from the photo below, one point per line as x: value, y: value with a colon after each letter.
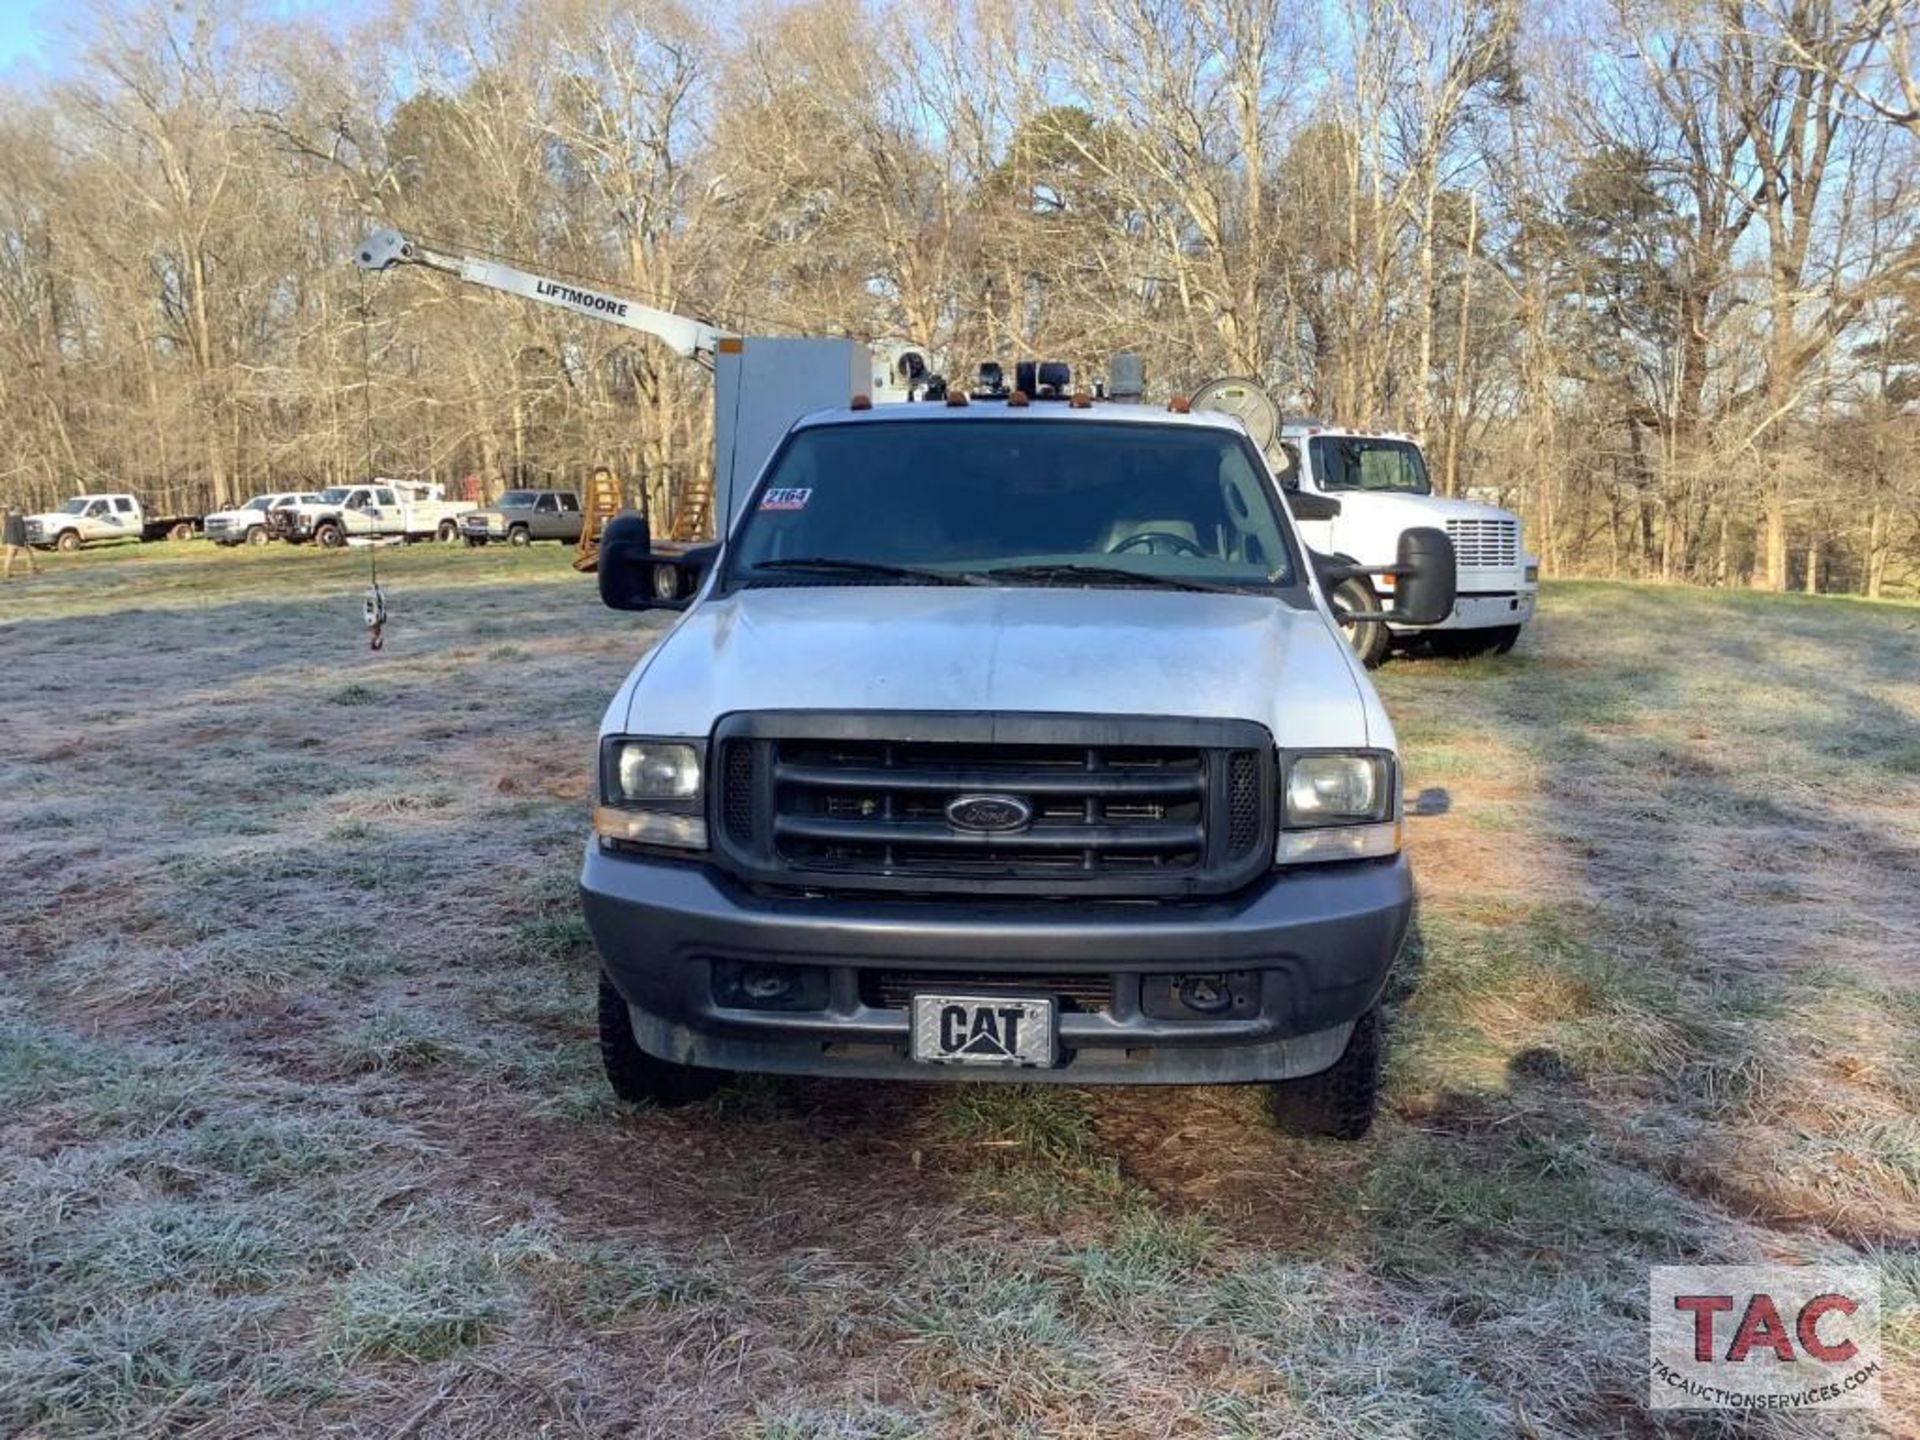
x: 1150, y: 541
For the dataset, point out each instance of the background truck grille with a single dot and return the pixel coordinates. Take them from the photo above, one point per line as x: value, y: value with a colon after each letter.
x: 1485, y: 544
x: 1108, y: 815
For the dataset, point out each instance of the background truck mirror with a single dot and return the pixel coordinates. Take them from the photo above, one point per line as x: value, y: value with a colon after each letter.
x: 1423, y: 591
x: 1307, y: 506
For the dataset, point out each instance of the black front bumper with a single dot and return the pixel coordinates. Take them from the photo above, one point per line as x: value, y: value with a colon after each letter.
x: 1321, y: 939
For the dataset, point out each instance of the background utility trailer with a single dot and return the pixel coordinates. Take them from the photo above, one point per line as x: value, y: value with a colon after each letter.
x: 761, y: 384
x: 97, y: 518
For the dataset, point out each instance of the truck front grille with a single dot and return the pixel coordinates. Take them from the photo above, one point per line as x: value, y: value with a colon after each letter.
x: 1485, y: 544
x: 893, y: 989
x: 1119, y: 808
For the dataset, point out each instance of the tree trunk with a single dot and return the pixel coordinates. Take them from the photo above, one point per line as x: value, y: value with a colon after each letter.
x: 1776, y: 529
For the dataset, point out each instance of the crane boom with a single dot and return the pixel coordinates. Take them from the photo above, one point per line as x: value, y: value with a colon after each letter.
x: 694, y: 339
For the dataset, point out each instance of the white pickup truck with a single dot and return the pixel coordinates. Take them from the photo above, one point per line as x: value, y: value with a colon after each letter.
x: 1050, y: 765
x: 378, y: 510
x: 252, y: 523
x: 93, y: 519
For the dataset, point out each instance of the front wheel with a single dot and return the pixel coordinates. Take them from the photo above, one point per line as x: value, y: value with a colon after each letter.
x: 257, y: 535
x: 519, y: 535
x: 329, y: 536
x: 449, y: 532
x: 68, y: 541
x: 640, y: 1078
x: 1369, y: 638
x: 1341, y: 1101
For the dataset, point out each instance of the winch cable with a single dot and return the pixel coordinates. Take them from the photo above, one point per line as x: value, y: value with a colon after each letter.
x: 375, y: 607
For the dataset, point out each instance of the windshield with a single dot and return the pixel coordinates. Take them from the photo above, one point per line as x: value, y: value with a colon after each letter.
x: 74, y: 507
x: 334, y: 494
x: 519, y: 499
x: 1350, y: 462
x: 259, y: 502
x: 980, y: 496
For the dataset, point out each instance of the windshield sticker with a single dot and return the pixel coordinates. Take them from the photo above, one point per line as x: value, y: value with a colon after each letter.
x: 785, y: 499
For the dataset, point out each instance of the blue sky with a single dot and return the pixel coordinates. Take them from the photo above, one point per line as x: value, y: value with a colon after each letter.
x: 23, y: 39
x: 34, y: 34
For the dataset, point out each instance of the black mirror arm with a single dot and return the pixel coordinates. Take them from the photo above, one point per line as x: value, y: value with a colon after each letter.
x: 1333, y: 573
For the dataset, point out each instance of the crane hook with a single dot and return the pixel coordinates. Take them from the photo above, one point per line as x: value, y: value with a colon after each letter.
x: 376, y: 612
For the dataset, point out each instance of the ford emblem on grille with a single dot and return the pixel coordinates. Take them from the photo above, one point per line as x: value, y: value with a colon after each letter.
x: 989, y: 814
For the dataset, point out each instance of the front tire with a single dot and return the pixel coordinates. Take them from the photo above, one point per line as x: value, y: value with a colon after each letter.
x: 1341, y: 1101
x: 67, y: 542
x: 637, y: 1077
x: 519, y: 535
x: 449, y: 532
x: 257, y: 535
x: 329, y: 536
x: 1369, y: 638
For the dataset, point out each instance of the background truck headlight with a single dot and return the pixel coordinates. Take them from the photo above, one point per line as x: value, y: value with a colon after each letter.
x: 1338, y: 805
x: 651, y: 793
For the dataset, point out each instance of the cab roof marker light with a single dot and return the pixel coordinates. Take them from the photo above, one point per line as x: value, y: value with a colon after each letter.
x: 956, y: 400
x: 862, y: 402
x: 1180, y: 405
x: 1081, y: 400
x: 1017, y: 400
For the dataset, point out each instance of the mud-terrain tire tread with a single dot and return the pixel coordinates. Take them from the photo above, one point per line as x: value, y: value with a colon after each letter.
x: 640, y: 1078
x: 1341, y: 1101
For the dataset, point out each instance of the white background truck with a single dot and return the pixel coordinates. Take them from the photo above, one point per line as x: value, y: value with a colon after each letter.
x: 251, y: 523
x: 378, y: 510
x: 1380, y: 484
x: 871, y: 808
x: 92, y: 519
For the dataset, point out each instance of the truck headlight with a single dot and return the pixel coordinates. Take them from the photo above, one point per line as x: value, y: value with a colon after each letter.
x: 651, y: 793
x: 1338, y: 805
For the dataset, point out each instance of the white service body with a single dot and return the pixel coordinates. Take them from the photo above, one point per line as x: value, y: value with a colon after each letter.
x: 379, y: 509
x: 761, y: 385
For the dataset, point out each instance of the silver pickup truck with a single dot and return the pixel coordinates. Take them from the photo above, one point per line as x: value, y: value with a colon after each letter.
x: 521, y: 517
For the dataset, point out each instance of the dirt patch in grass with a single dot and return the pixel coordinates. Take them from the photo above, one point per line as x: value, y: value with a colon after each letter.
x: 304, y: 1132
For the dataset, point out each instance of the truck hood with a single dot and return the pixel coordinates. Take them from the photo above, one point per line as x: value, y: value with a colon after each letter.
x: 1033, y: 649
x: 1406, y: 510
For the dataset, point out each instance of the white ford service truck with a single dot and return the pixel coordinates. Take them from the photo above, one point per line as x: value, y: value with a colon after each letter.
x: 378, y: 510
x: 1001, y: 740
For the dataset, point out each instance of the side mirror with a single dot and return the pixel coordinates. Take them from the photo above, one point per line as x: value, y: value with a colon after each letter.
x: 635, y: 576
x: 1423, y: 591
